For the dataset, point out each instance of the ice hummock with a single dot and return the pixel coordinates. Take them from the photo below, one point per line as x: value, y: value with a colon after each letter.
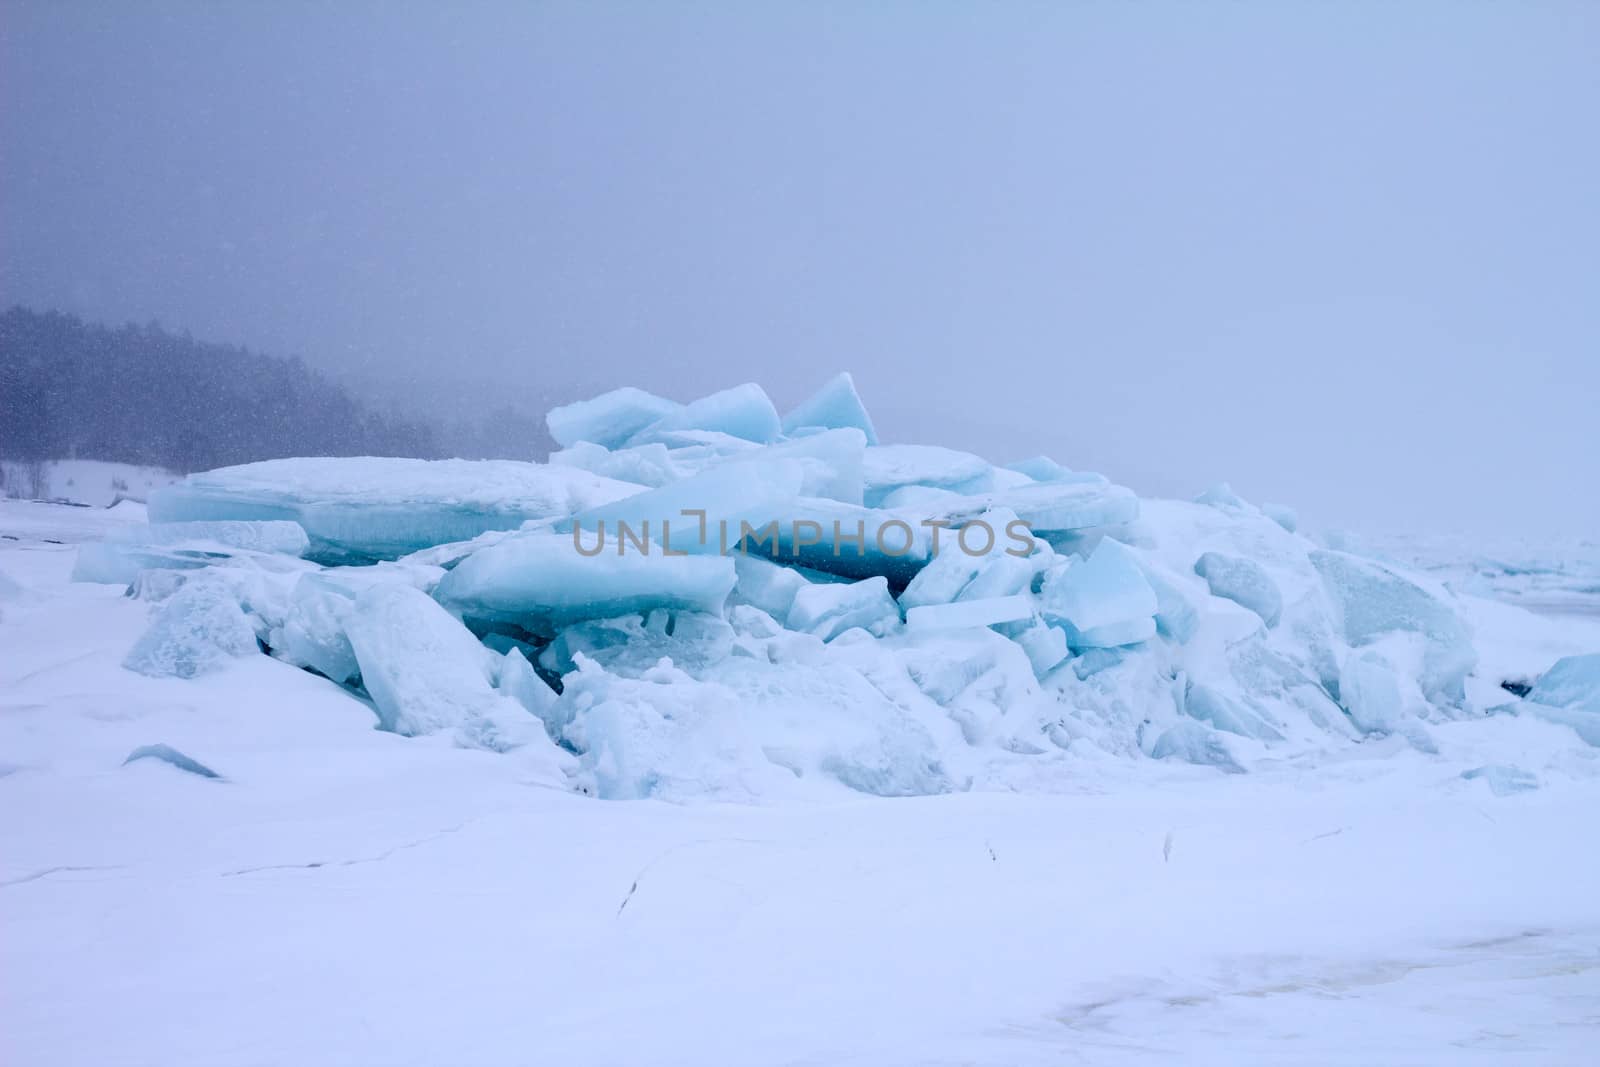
x: 700, y: 599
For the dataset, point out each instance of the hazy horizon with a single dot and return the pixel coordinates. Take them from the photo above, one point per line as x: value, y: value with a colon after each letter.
x: 1344, y: 258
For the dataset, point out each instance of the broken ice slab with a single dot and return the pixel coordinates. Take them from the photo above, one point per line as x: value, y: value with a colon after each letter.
x: 836, y: 405
x: 1193, y: 742
x: 169, y: 755
x: 426, y: 673
x: 199, y: 628
x: 366, y: 508
x: 1047, y: 508
x: 1050, y: 507
x: 704, y: 514
x: 541, y: 582
x: 182, y: 546
x: 1370, y: 693
x: 1372, y: 599
x: 519, y: 681
x: 631, y: 645
x: 983, y: 557
x: 1503, y: 779
x: 891, y: 467
x: 831, y: 463
x: 1226, y: 713
x: 970, y: 613
x: 1103, y: 601
x: 827, y: 611
x: 767, y: 585
x: 1573, y: 682
x: 1282, y: 515
x: 745, y: 412
x: 313, y: 634
x: 1045, y: 469
x: 841, y: 539
x: 1044, y: 645
x: 648, y: 465
x: 1111, y: 635
x: 1177, y: 617
x: 1243, y: 581
x: 607, y: 420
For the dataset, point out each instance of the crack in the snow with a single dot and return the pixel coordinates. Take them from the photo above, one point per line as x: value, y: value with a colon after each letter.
x: 379, y: 858
x: 48, y: 871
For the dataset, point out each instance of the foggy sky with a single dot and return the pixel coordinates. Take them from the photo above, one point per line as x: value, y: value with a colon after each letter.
x: 1346, y: 257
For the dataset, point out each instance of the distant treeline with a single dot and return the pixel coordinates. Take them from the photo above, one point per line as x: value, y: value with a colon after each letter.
x: 138, y: 394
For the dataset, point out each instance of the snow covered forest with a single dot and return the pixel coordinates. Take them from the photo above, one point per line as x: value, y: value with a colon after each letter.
x: 143, y: 395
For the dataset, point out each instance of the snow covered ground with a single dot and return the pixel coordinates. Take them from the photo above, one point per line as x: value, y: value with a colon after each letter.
x: 84, y: 481
x: 337, y: 894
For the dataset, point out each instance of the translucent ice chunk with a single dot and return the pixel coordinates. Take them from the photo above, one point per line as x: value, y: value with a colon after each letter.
x: 181, y: 546
x: 540, y: 582
x: 519, y: 681
x: 1045, y: 469
x: 767, y: 585
x: 833, y: 406
x: 368, y: 508
x: 1192, y: 742
x: 1574, y: 682
x: 608, y: 419
x: 1371, y: 599
x: 1243, y: 581
x: 1107, y: 592
x: 829, y: 610
x: 648, y: 465
x: 1045, y: 645
x: 426, y: 672
x: 745, y: 411
x: 706, y: 513
x: 889, y: 467
x: 198, y: 629
x: 967, y: 554
x: 1176, y: 615
x: 1007, y: 575
x: 1503, y: 779
x: 630, y: 645
x: 1370, y: 692
x: 830, y: 463
x: 1110, y: 635
x: 312, y: 633
x: 1058, y: 507
x: 1283, y: 516
x: 1225, y: 713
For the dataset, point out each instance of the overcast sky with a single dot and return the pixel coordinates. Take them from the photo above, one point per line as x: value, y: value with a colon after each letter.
x: 1346, y: 257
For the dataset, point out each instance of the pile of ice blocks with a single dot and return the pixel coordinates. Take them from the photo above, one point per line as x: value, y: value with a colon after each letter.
x: 711, y: 599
